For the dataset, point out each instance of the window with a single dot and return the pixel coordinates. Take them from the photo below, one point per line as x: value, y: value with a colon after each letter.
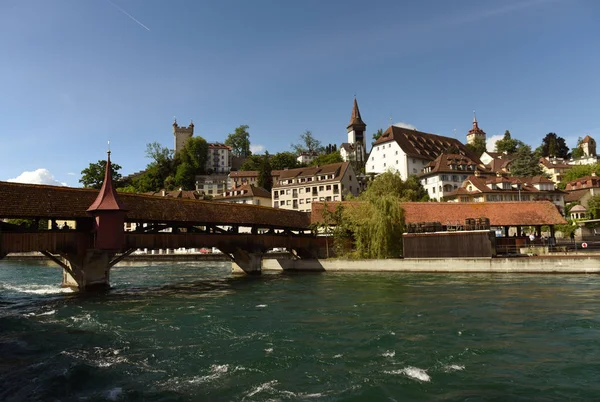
x: 414, y: 160
x: 372, y: 167
x: 321, y: 188
x: 335, y: 189
x: 288, y: 202
x: 307, y: 190
x: 389, y: 145
x: 396, y: 162
x: 350, y: 177
x: 433, y: 190
x: 276, y: 204
x: 350, y: 188
x: 301, y: 201
x: 328, y: 187
x: 396, y: 152
x: 287, y: 192
x: 414, y: 170
x: 384, y: 155
x: 308, y: 200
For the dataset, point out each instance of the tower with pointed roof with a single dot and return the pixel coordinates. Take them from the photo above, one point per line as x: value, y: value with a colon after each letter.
x: 475, y: 132
x: 109, y: 214
x: 356, y: 134
x: 182, y: 135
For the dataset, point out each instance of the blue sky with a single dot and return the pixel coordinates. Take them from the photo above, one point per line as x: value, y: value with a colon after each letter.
x: 76, y: 73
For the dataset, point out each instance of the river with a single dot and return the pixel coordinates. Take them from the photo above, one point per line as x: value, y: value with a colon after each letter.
x: 192, y: 331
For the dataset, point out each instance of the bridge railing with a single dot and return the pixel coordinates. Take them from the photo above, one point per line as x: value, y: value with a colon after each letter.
x: 52, y: 241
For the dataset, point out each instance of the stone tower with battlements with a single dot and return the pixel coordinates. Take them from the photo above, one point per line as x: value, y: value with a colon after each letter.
x: 182, y: 135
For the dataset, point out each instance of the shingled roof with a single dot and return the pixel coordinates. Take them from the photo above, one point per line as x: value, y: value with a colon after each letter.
x: 355, y: 119
x: 454, y: 164
x: 40, y: 201
x: 336, y: 169
x: 423, y: 145
x: 518, y: 213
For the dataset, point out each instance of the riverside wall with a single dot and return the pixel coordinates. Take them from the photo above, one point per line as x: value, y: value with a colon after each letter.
x: 556, y: 264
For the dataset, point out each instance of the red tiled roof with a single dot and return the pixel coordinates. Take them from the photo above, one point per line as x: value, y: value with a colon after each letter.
x: 587, y: 139
x: 444, y: 162
x: 422, y: 145
x: 107, y: 199
x: 525, y: 213
x: 252, y: 173
x: 526, y: 185
x: 40, y: 201
x: 576, y: 195
x: 244, y: 191
x: 554, y: 165
x: 587, y: 181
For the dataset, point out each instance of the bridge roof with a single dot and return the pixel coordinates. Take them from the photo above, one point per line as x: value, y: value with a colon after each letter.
x: 53, y: 202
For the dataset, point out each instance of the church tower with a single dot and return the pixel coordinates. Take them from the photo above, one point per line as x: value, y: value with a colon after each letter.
x: 182, y: 135
x: 356, y: 134
x: 475, y: 132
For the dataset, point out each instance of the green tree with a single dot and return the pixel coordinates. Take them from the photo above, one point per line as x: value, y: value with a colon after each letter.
x: 594, y: 207
x: 507, y: 144
x: 159, y: 154
x: 239, y: 141
x: 392, y: 183
x: 283, y: 160
x: 577, y: 171
x: 525, y: 163
x: 93, y: 175
x: 308, y: 143
x: 553, y: 145
x: 478, y: 147
x: 577, y: 152
x: 252, y: 162
x: 330, y: 148
x: 265, y: 178
x: 376, y: 135
x: 191, y: 161
x: 327, y: 159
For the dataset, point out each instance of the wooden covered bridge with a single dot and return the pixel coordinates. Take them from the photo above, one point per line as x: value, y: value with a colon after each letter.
x: 99, y: 239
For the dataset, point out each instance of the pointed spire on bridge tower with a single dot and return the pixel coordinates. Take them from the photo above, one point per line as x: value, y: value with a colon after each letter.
x: 107, y: 199
x: 109, y: 214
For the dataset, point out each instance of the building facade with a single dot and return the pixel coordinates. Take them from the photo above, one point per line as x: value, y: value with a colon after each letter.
x: 241, y: 177
x: 219, y: 158
x: 407, y: 151
x: 246, y: 194
x: 211, y: 185
x: 296, y: 189
x: 447, y: 172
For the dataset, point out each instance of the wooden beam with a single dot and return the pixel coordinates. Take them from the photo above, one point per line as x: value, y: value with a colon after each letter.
x: 120, y: 258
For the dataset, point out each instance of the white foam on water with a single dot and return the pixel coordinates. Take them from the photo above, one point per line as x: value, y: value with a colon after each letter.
x: 338, y: 356
x: 454, y: 367
x: 38, y: 289
x: 48, y: 312
x: 389, y: 353
x: 217, y: 370
x: 260, y: 306
x: 459, y: 333
x: 412, y: 372
x: 269, y: 350
x: 262, y: 387
x: 113, y: 394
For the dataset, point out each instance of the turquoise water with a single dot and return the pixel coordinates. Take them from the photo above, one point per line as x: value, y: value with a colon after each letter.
x: 192, y: 331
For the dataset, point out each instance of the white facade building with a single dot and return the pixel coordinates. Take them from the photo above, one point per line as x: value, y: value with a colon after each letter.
x: 296, y: 189
x: 407, y: 151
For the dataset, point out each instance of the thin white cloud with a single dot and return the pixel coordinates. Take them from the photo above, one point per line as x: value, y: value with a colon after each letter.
x: 71, y: 174
x: 257, y: 149
x: 490, y: 143
x: 39, y: 176
x: 404, y: 125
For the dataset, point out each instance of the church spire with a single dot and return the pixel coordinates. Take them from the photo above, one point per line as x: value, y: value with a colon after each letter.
x: 107, y: 199
x: 355, y: 119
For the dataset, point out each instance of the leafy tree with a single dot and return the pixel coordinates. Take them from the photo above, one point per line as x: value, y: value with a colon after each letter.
x: 392, y: 183
x: 477, y: 147
x: 265, y: 179
x: 577, y: 152
x: 159, y: 154
x: 525, y: 163
x: 93, y: 175
x: 282, y: 160
x: 594, y: 207
x: 376, y: 135
x: 253, y: 162
x: 507, y: 144
x: 577, y: 171
x: 191, y: 161
x: 553, y: 145
x: 308, y: 143
x: 327, y: 159
x: 239, y: 141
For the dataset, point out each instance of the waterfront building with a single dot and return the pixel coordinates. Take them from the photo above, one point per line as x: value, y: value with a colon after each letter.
x: 578, y: 212
x: 500, y: 188
x: 355, y: 149
x: 408, y: 151
x: 582, y: 190
x: 241, y: 177
x: 246, y: 194
x: 447, y: 172
x: 296, y: 189
x: 219, y: 158
x: 554, y: 167
x: 212, y: 185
